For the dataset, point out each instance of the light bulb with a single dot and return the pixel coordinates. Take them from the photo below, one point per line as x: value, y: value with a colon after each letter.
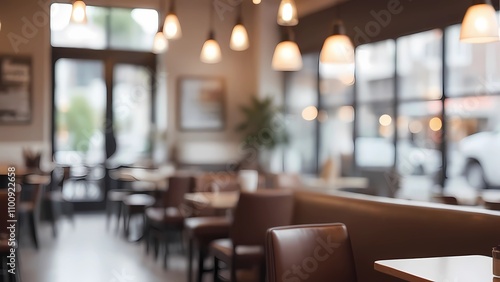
x: 79, y: 12
x: 480, y: 25
x: 287, y: 57
x: 337, y: 49
x: 211, y: 53
x: 287, y: 13
x: 239, y: 38
x: 160, y: 43
x: 172, y: 27
x: 256, y: 2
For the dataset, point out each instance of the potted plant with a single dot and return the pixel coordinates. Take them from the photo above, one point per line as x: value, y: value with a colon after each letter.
x: 263, y: 128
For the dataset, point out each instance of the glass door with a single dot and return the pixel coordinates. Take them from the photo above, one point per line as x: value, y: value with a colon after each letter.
x: 132, y: 112
x: 80, y: 110
x: 103, y: 117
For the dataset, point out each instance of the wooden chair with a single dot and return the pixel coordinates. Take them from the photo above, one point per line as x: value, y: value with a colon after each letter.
x: 168, y: 216
x: 254, y: 215
x: 29, y: 207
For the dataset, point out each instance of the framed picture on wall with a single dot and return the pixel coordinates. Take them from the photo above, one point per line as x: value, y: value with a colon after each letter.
x: 15, y: 89
x: 201, y: 103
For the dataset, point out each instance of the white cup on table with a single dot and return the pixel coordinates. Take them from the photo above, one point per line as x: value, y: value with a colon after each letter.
x: 248, y: 180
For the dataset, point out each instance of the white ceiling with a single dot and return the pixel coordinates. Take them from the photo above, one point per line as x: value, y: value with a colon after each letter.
x: 306, y: 7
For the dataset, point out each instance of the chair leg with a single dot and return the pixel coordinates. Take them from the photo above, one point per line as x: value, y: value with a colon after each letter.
x: 126, y: 221
x: 216, y: 269
x: 108, y: 213
x: 190, y: 260
x: 233, y: 273
x: 120, y: 211
x: 71, y: 211
x: 32, y: 223
x: 52, y: 218
x: 201, y: 263
x: 166, y: 241
x: 156, y: 245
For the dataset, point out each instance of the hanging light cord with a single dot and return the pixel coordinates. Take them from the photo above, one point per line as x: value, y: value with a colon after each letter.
x: 172, y: 7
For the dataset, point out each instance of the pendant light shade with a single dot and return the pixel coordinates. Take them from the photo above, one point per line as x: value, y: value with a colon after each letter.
x: 160, y: 43
x: 239, y: 38
x: 480, y: 23
x: 211, y: 53
x: 172, y: 26
x: 79, y: 12
x: 338, y: 48
x: 287, y: 13
x: 287, y: 57
x: 256, y: 2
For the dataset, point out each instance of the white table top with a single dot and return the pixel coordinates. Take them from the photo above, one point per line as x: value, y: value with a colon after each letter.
x: 441, y: 269
x: 220, y: 200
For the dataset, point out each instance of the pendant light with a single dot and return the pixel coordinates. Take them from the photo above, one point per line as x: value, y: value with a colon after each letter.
x: 210, y: 52
x: 79, y: 12
x: 160, y: 42
x: 480, y: 23
x: 239, y: 37
x: 256, y: 2
x: 338, y: 48
x: 287, y: 55
x: 172, y: 26
x: 287, y: 13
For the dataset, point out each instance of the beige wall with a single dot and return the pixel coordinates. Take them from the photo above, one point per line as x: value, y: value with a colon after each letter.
x: 36, y: 134
x: 237, y: 68
x: 247, y: 73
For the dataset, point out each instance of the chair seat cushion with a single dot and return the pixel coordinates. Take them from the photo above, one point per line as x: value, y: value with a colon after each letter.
x: 222, y: 249
x: 160, y: 217
x: 206, y: 229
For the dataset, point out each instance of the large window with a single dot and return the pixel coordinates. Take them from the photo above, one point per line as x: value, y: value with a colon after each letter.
x: 301, y: 117
x: 434, y: 126
x: 336, y: 115
x: 375, y: 67
x: 107, y: 28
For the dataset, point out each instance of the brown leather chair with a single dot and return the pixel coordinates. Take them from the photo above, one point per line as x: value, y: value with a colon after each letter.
x: 319, y: 253
x: 201, y: 231
x: 254, y: 214
x: 168, y: 215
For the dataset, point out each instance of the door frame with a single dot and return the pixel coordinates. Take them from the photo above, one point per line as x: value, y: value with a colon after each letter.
x: 110, y: 59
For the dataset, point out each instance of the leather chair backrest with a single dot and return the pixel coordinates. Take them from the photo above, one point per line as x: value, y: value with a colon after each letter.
x: 257, y: 212
x: 319, y: 253
x: 178, y: 186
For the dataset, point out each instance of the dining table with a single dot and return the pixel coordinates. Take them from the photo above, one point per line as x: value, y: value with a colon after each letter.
x: 476, y: 268
x: 157, y: 177
x: 215, y: 200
